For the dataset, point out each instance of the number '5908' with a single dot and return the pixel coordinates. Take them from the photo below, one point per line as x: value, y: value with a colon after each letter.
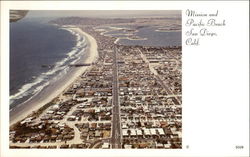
x: 239, y: 147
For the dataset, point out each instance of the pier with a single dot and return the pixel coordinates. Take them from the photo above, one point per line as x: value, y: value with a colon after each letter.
x: 80, y: 65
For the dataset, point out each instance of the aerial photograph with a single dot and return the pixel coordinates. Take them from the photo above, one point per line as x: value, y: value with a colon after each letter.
x: 95, y: 79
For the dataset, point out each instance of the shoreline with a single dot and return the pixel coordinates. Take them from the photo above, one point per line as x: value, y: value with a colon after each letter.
x: 56, y: 88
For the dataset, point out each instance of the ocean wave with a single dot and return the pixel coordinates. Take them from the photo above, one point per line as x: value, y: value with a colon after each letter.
x: 24, y: 90
x: 60, y: 68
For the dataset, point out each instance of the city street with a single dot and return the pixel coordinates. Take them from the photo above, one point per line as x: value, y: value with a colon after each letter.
x: 116, y: 129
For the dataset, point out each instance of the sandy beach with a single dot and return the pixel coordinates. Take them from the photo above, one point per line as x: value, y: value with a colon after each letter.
x: 55, y: 88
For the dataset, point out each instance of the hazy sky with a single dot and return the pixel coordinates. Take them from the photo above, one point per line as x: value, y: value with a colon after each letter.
x: 108, y: 13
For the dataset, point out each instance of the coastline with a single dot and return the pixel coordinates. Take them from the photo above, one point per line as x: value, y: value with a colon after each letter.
x: 56, y: 88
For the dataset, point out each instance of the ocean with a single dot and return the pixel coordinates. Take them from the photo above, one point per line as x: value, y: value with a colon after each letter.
x: 39, y: 52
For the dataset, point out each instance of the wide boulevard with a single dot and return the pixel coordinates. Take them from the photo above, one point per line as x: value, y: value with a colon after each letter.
x: 116, y: 125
